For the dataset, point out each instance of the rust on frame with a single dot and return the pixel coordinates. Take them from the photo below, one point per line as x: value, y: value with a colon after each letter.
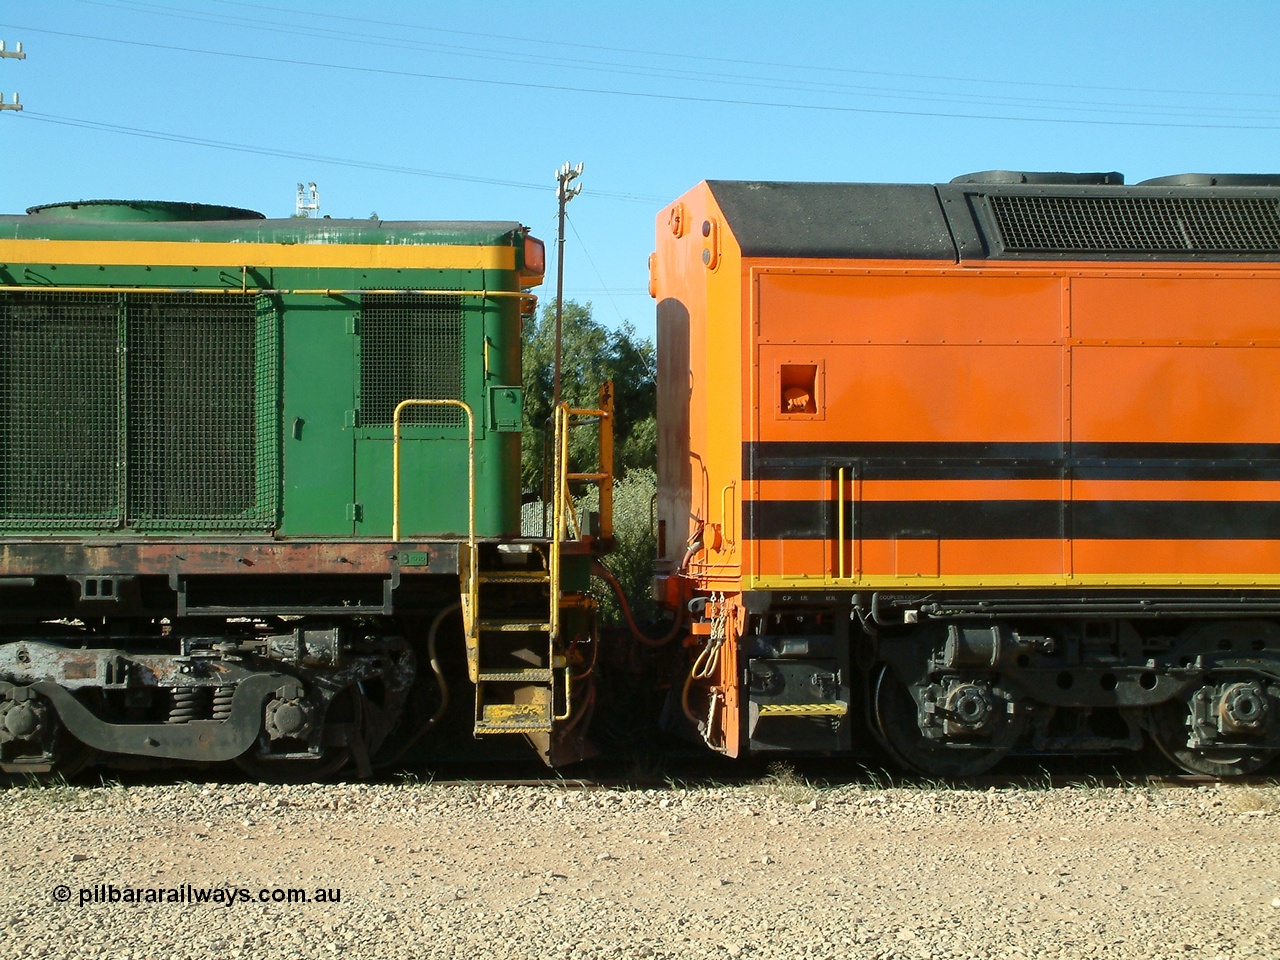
x: 103, y: 557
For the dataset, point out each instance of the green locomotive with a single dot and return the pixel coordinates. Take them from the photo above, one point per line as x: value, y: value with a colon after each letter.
x: 248, y: 469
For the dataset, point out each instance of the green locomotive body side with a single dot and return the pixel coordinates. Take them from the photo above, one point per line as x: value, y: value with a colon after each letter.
x: 250, y: 471
x: 240, y: 376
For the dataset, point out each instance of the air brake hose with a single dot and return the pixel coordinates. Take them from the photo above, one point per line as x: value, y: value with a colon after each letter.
x: 433, y: 658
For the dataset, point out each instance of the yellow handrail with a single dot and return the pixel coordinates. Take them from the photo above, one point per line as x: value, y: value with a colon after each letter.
x: 562, y: 508
x: 840, y: 523
x: 728, y: 509
x: 473, y: 587
x: 471, y: 463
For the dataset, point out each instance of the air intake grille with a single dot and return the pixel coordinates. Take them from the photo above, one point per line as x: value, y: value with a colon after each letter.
x: 191, y: 408
x: 59, y: 415
x: 1129, y: 224
x: 141, y: 410
x: 410, y: 349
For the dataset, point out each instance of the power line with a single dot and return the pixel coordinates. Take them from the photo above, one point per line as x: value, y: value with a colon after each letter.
x: 665, y: 97
x: 850, y: 71
x: 730, y: 80
x: 607, y: 292
x: 311, y: 157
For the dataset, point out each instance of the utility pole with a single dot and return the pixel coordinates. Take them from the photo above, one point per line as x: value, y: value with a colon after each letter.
x: 14, y: 54
x: 564, y: 193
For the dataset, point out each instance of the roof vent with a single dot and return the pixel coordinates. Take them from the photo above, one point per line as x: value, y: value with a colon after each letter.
x: 1125, y: 223
x: 1043, y: 179
x: 148, y: 211
x: 1215, y: 180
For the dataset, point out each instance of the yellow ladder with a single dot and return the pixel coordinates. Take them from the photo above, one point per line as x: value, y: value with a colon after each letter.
x: 523, y: 693
x: 522, y: 681
x: 513, y: 593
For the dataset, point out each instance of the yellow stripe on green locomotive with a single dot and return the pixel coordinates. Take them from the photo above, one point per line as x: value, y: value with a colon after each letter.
x: 178, y: 367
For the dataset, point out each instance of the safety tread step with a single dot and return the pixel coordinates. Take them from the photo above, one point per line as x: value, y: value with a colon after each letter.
x: 835, y: 708
x: 515, y: 576
x: 512, y: 718
x: 514, y: 626
x: 523, y: 675
x: 482, y: 727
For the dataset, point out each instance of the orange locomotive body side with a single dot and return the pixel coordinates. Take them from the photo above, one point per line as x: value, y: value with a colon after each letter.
x: 1033, y: 363
x: 869, y: 391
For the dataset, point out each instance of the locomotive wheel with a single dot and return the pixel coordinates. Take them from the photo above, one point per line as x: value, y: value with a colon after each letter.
x: 39, y: 748
x: 1168, y: 730
x: 70, y: 757
x: 895, y: 716
x: 266, y: 769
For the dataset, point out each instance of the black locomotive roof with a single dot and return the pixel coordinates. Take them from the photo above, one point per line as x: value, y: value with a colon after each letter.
x: 872, y: 220
x: 1000, y: 215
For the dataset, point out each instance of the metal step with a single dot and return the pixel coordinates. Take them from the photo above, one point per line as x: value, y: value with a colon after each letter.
x: 482, y: 728
x: 515, y: 626
x: 515, y: 576
x: 519, y: 675
x: 836, y: 708
x: 513, y: 718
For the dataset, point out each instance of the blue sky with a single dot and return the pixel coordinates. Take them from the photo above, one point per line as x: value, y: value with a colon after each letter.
x: 436, y: 110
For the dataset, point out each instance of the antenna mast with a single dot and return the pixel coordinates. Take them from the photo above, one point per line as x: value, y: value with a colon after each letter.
x: 14, y: 54
x: 564, y: 193
x: 308, y: 201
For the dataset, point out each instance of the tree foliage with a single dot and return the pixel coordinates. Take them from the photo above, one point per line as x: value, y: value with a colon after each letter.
x: 590, y: 355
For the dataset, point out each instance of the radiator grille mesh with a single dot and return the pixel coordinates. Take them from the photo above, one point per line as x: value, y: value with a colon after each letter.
x: 1154, y: 225
x: 59, y: 416
x: 410, y: 349
x: 191, y: 408
x: 140, y: 410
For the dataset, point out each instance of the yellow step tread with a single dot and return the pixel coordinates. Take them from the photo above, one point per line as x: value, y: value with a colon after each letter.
x: 515, y: 576
x: 513, y: 718
x: 837, y: 708
x: 519, y: 675
x: 481, y: 728
x: 515, y: 626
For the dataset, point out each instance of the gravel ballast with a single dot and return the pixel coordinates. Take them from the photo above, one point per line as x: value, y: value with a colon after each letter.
x: 765, y: 870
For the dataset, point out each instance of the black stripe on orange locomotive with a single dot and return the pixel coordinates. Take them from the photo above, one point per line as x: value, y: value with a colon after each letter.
x: 802, y: 460
x: 1016, y: 519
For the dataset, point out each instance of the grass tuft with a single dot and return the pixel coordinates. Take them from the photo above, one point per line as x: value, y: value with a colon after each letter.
x: 783, y: 782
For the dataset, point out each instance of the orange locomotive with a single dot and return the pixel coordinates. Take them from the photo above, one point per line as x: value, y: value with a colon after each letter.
x: 979, y: 467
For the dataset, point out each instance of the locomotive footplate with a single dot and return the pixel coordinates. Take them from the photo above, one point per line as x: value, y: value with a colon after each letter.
x: 798, y: 693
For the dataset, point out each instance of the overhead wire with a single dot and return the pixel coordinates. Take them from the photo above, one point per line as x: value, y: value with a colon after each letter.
x: 310, y: 157
x: 683, y: 55
x: 649, y: 95
x: 587, y: 253
x: 791, y: 82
